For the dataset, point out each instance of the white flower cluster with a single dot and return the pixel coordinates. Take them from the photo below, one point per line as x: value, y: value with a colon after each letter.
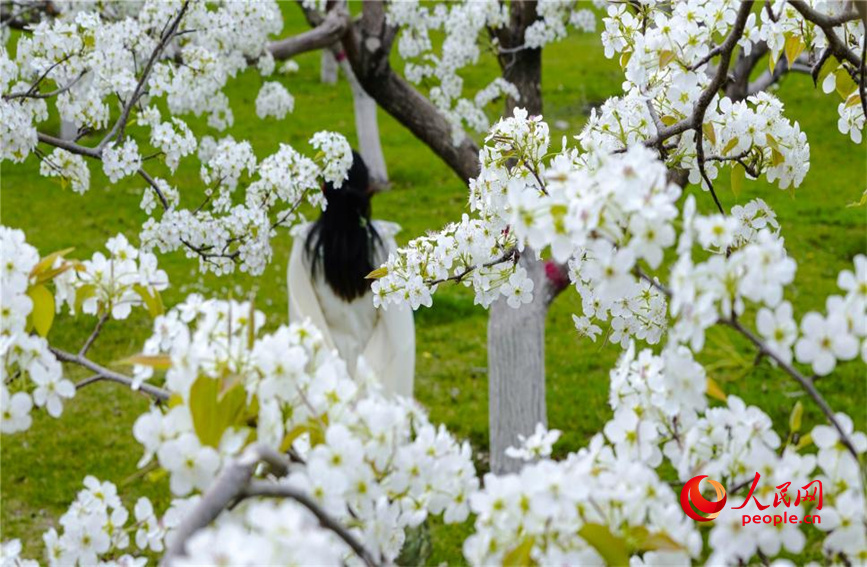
x: 264, y: 533
x: 833, y: 337
x: 274, y: 100
x: 337, y: 155
x: 412, y: 272
x: 465, y: 25
x: 551, y: 513
x: 95, y: 525
x: 789, y: 33
x: 553, y: 17
x: 126, y: 278
x: 223, y: 233
x: 120, y: 162
x: 90, y: 57
x: 97, y: 530
x: 30, y: 372
x: 70, y: 168
x: 375, y: 464
x: 173, y: 139
x: 534, y: 446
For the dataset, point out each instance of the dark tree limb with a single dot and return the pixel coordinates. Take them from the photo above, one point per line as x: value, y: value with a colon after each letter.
x: 828, y: 23
x: 326, y: 33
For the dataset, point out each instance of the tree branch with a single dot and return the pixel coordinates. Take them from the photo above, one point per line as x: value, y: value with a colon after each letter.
x: 273, y: 490
x: 106, y: 374
x: 165, y: 38
x: 329, y: 31
x: 234, y: 483
x: 96, y: 330
x: 806, y: 384
x: 694, y: 121
x: 828, y: 23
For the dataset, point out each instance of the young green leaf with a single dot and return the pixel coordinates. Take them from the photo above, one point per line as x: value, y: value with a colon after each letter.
x: 42, y: 315
x: 738, y: 176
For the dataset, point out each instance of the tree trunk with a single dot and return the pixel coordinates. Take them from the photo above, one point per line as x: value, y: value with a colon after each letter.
x: 368, y: 46
x: 516, y: 337
x: 328, y: 68
x: 367, y: 129
x: 516, y: 368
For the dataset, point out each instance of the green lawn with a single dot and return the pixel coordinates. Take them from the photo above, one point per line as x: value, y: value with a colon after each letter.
x: 42, y: 469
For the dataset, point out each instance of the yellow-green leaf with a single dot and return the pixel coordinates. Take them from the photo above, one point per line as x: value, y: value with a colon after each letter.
x: 83, y: 293
x: 853, y: 100
x: 153, y: 301
x: 42, y: 315
x: 732, y: 143
x: 772, y: 142
x: 48, y: 261
x: 665, y: 57
x: 795, y: 417
x: 157, y: 361
x: 251, y: 324
x: 776, y: 157
x: 203, y: 408
x: 624, y: 59
x: 175, y: 400
x: 156, y: 474
x: 709, y: 132
x: 668, y: 120
x: 794, y: 47
x: 49, y: 275
x: 714, y: 391
x: 652, y: 541
x: 611, y: 548
x: 738, y: 176
x: 772, y: 63
x: 827, y: 67
x: 520, y: 554
x: 378, y: 273
x: 804, y: 441
x: 845, y: 85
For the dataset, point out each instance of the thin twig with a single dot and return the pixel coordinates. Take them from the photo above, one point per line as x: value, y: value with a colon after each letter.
x: 53, y: 93
x: 167, y: 35
x: 699, y: 158
x: 828, y: 23
x: 806, y: 384
x: 96, y: 330
x: 510, y: 254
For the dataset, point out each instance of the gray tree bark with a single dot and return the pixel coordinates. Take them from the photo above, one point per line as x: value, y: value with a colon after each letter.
x: 516, y: 337
x: 328, y: 68
x: 68, y: 131
x: 367, y: 129
x: 516, y: 368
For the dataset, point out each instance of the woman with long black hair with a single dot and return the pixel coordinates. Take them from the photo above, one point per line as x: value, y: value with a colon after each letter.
x: 328, y: 266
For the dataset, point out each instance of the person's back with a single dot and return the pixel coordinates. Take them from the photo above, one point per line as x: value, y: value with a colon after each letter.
x: 327, y: 284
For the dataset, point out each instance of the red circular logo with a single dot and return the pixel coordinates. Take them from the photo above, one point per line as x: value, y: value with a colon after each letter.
x: 692, y: 500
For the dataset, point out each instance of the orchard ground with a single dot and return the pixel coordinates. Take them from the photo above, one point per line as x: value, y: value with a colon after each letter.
x: 43, y: 468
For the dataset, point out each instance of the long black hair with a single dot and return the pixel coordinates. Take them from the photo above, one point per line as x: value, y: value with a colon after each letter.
x: 343, y: 242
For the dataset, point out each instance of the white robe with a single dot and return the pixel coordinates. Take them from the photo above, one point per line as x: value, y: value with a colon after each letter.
x: 385, y: 339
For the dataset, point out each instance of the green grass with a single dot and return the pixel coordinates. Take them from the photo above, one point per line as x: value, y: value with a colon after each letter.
x: 42, y: 469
